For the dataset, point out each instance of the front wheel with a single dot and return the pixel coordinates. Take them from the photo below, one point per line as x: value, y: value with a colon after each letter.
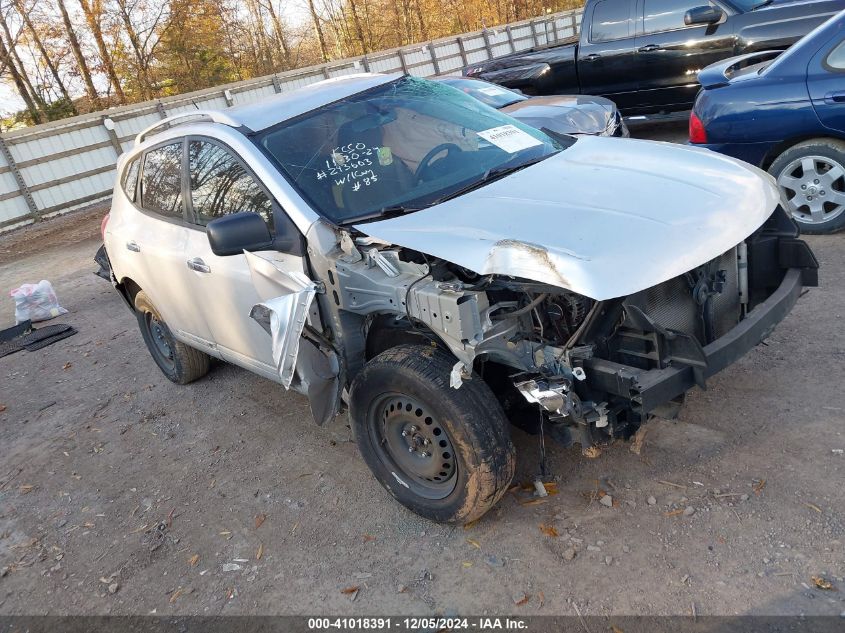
x: 444, y: 453
x: 811, y: 177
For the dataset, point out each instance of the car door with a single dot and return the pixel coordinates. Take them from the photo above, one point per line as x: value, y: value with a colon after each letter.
x: 219, y: 184
x: 826, y: 84
x: 606, y: 52
x: 670, y: 54
x: 157, y: 237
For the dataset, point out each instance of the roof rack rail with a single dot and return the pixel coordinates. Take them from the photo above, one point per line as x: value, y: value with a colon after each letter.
x: 214, y: 116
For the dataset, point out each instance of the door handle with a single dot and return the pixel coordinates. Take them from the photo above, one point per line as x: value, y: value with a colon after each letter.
x: 133, y: 246
x: 648, y: 48
x: 198, y: 265
x: 592, y: 57
x: 835, y: 97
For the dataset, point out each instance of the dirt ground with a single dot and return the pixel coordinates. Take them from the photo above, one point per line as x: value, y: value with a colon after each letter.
x: 263, y: 512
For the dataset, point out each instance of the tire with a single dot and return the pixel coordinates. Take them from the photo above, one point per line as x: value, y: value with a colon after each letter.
x: 179, y: 362
x: 470, y: 461
x: 811, y: 177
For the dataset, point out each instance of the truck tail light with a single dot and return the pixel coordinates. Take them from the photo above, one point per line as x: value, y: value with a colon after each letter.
x: 103, y: 225
x: 697, y: 133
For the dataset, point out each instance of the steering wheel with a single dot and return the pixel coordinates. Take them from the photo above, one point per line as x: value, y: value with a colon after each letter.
x: 428, y: 160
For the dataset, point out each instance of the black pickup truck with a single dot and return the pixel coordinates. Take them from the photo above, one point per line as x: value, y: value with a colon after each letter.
x: 645, y: 54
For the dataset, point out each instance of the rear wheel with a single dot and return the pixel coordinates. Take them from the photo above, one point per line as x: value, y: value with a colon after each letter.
x: 179, y: 362
x: 811, y: 177
x: 444, y: 453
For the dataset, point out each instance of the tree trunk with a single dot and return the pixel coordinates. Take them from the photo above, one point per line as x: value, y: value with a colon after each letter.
x: 423, y: 29
x: 54, y: 71
x: 143, y: 75
x: 265, y: 55
x: 317, y: 27
x: 280, y: 34
x: 17, y: 79
x: 92, y: 15
x: 77, y: 53
x: 359, y: 31
x: 14, y: 58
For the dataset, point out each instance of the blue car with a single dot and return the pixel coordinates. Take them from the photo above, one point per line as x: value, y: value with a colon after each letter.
x: 784, y: 112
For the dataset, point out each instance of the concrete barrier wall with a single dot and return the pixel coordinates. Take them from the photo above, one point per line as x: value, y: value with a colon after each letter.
x: 59, y: 166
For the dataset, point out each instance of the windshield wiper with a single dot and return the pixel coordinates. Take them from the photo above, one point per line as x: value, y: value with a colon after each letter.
x: 760, y: 5
x: 391, y: 211
x: 491, y: 175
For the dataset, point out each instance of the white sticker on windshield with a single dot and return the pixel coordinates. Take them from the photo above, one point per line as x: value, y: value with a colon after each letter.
x: 509, y: 138
x: 493, y: 91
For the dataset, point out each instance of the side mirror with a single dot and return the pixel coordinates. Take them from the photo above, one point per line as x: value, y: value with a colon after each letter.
x: 707, y: 14
x: 239, y: 232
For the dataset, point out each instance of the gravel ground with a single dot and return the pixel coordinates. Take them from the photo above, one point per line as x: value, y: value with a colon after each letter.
x: 121, y: 493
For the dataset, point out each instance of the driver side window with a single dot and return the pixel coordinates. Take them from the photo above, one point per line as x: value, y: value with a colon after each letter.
x: 666, y: 15
x: 220, y: 185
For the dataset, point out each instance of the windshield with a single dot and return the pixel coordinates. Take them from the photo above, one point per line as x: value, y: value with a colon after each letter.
x: 397, y: 148
x: 487, y: 93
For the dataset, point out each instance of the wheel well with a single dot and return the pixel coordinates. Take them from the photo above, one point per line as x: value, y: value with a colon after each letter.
x: 129, y: 289
x: 386, y: 331
x: 781, y: 147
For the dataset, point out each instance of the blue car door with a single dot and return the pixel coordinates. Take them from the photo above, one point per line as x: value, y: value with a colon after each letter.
x: 826, y: 83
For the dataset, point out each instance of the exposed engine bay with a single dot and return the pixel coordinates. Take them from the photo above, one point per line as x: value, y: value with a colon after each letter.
x: 589, y: 368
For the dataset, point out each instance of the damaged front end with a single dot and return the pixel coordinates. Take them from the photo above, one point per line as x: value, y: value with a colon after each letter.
x: 594, y: 370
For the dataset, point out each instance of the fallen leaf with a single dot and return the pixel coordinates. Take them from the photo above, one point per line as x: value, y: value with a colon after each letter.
x: 260, y: 552
x: 523, y: 600
x: 26, y: 489
x: 813, y: 506
x: 616, y: 629
x: 259, y: 520
x: 591, y: 452
x: 2, y: 408
x: 759, y: 486
x: 368, y: 537
x: 175, y: 595
x: 352, y: 589
x: 474, y: 543
x: 542, y: 598
x: 551, y: 487
x: 193, y: 560
x: 674, y: 513
x: 470, y: 525
x: 549, y: 530
x: 466, y: 564
x: 67, y: 365
x: 533, y: 502
x: 822, y: 583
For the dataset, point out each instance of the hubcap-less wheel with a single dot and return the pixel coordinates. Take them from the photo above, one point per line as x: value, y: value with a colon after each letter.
x: 814, y: 187
x: 162, y: 339
x: 414, y: 444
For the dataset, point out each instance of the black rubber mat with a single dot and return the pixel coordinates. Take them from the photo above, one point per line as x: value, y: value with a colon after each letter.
x: 23, y: 336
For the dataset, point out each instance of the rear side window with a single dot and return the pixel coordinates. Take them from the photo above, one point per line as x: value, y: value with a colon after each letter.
x: 610, y: 20
x: 130, y: 178
x: 221, y: 185
x: 836, y: 58
x: 161, y: 182
x: 666, y: 15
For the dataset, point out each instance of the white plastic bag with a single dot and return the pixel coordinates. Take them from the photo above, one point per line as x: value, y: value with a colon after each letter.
x: 36, y: 302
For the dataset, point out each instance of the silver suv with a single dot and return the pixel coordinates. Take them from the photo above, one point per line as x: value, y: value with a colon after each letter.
x: 393, y: 246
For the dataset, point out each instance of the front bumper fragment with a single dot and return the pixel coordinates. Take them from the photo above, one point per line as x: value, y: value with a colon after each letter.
x: 648, y: 389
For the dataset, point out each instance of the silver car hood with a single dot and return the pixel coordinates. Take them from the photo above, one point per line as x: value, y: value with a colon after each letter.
x: 604, y: 218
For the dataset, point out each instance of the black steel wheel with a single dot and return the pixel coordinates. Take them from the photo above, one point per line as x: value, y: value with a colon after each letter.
x: 444, y: 453
x: 180, y: 363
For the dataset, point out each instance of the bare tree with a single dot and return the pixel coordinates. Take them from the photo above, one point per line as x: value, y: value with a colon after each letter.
x: 93, y: 11
x: 143, y: 42
x: 45, y: 55
x: 324, y: 51
x: 77, y: 54
x: 9, y: 63
x: 279, y: 31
